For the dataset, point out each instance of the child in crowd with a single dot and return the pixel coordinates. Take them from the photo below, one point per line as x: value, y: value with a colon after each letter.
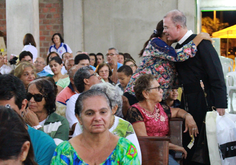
x: 124, y: 74
x: 172, y: 98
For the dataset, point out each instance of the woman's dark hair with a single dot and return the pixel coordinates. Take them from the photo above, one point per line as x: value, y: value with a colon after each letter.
x: 13, y: 135
x: 141, y: 84
x: 57, y: 59
x: 29, y: 39
x: 46, y: 88
x: 100, y: 66
x: 61, y: 39
x: 130, y: 60
x: 159, y: 32
x: 100, y: 54
x: 48, y: 57
x: 93, y: 54
x: 52, y: 81
x: 128, y: 56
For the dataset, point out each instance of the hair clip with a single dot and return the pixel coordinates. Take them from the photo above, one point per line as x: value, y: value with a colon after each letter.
x: 155, y: 31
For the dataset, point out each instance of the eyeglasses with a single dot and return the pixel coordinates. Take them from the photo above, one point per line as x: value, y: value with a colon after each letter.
x: 37, y: 97
x: 159, y: 87
x: 94, y: 74
x: 41, y: 63
x: 111, y: 54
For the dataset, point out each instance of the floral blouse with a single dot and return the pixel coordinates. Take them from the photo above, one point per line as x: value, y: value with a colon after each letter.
x: 156, y: 122
x: 158, y: 58
x: 124, y: 153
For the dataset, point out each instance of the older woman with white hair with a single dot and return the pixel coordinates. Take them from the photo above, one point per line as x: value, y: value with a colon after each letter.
x: 118, y: 126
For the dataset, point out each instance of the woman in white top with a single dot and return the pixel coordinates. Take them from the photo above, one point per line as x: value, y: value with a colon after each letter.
x: 30, y: 45
x: 58, y: 45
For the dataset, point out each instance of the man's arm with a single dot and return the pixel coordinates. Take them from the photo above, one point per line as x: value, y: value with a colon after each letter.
x: 212, y: 65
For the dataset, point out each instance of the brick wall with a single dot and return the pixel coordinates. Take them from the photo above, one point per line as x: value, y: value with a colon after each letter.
x: 50, y: 22
x: 3, y: 19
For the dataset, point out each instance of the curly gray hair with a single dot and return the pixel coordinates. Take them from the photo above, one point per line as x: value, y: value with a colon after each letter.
x: 114, y: 93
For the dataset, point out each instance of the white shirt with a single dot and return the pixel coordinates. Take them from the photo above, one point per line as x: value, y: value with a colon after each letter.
x: 5, y: 69
x: 70, y: 110
x: 62, y: 49
x: 32, y: 49
x: 188, y: 34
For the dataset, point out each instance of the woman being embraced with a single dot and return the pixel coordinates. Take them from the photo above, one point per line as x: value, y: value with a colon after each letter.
x: 158, y: 57
x: 41, y: 113
x: 151, y: 118
x: 95, y: 145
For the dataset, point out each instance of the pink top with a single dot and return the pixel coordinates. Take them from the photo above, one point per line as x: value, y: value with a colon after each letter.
x: 156, y: 122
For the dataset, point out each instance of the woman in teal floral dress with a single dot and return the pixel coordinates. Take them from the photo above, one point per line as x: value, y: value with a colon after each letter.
x: 96, y: 145
x: 158, y: 57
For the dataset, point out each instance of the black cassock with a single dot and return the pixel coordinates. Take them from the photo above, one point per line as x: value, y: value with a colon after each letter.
x: 204, y: 66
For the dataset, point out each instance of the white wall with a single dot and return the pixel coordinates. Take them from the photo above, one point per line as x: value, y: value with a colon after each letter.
x: 21, y: 17
x: 124, y: 24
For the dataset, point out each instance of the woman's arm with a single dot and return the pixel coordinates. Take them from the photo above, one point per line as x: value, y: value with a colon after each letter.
x: 178, y: 148
x: 190, y: 124
x: 140, y: 129
x: 201, y: 36
x: 161, y: 50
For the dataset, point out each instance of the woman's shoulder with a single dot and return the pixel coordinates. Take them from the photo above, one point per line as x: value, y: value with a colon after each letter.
x: 66, y: 149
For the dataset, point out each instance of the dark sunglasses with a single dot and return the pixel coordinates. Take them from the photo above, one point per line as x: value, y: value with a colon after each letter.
x: 37, y: 97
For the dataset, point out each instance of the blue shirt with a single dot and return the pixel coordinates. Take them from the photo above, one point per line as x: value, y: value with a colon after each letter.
x: 43, y: 146
x: 119, y: 65
x: 92, y: 67
x: 43, y: 73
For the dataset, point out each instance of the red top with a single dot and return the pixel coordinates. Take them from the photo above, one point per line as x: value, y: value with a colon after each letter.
x: 156, y: 122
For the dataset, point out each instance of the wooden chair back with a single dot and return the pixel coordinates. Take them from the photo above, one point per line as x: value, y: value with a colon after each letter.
x: 155, y: 150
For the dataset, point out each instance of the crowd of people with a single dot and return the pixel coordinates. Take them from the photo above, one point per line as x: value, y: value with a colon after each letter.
x: 80, y: 108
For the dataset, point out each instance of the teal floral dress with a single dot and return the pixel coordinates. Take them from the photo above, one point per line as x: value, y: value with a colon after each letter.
x: 158, y: 58
x: 123, y: 154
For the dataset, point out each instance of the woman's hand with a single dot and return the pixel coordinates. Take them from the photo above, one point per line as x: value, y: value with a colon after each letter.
x: 190, y: 125
x: 31, y: 118
x: 178, y: 148
x: 181, y: 149
x: 201, y: 36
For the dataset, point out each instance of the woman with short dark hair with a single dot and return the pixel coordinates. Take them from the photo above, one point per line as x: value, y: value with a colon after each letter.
x: 149, y: 117
x: 41, y: 97
x: 58, y: 45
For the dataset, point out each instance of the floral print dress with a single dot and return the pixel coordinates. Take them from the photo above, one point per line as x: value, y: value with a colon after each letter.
x: 158, y: 58
x: 123, y: 154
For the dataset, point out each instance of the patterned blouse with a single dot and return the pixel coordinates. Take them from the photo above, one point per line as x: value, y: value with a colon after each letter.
x: 124, y: 153
x: 156, y: 122
x: 158, y: 58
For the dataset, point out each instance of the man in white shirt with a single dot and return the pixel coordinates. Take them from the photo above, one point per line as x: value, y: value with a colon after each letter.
x: 84, y: 78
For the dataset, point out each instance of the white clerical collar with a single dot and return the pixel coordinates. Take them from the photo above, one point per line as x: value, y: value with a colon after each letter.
x: 189, y: 33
